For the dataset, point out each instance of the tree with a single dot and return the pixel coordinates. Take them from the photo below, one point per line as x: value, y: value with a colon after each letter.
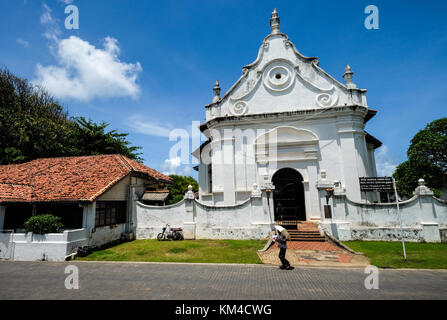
x: 33, y: 125
x: 179, y: 187
x: 89, y: 138
x: 427, y: 159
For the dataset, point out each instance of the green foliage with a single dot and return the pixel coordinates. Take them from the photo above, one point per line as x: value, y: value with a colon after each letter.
x: 45, y: 223
x: 33, y: 125
x: 179, y: 187
x: 427, y: 159
x: 89, y: 138
x: 176, y: 199
x: 409, y: 172
x: 430, y: 145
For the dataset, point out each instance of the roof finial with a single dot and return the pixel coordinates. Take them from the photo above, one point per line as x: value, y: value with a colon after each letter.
x: 216, y: 90
x: 274, y: 22
x: 348, y: 77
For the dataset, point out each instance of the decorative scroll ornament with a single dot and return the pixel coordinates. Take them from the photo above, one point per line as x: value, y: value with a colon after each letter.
x: 245, y: 90
x: 213, y: 111
x: 326, y: 100
x: 239, y: 108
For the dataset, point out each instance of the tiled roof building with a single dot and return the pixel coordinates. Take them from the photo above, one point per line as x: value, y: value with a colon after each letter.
x: 63, y: 179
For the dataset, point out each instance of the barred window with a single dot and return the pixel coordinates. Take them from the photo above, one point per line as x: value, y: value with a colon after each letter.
x: 110, y: 213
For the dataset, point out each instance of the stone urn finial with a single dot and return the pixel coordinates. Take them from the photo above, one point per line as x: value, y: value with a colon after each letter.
x: 348, y: 77
x: 274, y: 22
x: 422, y: 190
x: 189, y: 195
x: 216, y: 90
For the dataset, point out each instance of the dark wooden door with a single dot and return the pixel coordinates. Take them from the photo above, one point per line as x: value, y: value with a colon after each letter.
x: 288, y: 197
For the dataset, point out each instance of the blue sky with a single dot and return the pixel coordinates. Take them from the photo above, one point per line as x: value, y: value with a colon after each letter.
x: 160, y: 60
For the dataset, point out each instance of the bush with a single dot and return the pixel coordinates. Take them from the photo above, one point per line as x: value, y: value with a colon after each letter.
x: 45, y: 223
x: 176, y: 199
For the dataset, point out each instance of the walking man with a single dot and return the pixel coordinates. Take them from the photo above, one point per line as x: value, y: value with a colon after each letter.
x: 281, y: 239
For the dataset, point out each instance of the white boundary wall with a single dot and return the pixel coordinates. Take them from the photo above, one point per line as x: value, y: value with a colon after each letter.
x: 424, y: 219
x: 248, y: 220
x: 50, y: 246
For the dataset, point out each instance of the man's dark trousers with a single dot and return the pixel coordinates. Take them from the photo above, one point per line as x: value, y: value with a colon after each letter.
x: 282, y: 257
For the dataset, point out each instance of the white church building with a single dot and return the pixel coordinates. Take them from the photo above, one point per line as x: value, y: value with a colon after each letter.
x: 284, y: 113
x: 282, y: 135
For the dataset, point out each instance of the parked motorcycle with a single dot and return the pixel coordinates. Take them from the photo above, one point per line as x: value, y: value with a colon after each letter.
x: 170, y: 233
x: 84, y: 251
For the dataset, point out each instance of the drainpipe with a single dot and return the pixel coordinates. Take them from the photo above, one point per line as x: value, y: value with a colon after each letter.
x: 129, y: 209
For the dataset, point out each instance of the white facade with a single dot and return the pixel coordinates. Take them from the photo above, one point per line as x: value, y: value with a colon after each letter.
x: 285, y: 112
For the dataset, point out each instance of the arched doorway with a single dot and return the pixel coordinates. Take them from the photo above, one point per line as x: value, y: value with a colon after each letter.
x: 288, y: 197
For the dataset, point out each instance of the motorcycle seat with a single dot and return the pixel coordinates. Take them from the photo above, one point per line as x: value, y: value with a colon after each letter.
x: 176, y: 229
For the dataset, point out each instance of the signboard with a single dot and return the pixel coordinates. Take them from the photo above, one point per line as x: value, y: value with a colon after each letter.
x: 378, y: 184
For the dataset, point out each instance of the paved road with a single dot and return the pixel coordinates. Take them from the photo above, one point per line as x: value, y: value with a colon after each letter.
x: 45, y: 280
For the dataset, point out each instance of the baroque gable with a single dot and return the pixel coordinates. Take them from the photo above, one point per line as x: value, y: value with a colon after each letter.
x: 281, y: 79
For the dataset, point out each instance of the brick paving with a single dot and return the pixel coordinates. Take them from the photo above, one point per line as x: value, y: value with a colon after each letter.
x: 311, y: 245
x: 318, y: 258
x: 313, y: 253
x: 162, y: 281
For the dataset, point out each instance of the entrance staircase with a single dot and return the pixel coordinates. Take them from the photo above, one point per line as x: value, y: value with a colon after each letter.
x: 307, y: 231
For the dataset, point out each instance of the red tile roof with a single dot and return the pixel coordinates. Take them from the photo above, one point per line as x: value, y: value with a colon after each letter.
x: 68, y: 178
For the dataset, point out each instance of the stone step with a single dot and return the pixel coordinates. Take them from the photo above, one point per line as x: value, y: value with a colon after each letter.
x: 306, y: 232
x: 306, y: 236
x: 309, y: 239
x: 312, y: 235
x: 303, y: 231
x: 317, y: 233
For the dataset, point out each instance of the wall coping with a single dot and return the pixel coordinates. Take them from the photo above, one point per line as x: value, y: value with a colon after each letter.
x: 393, y: 204
x: 178, y: 204
x: 223, y: 206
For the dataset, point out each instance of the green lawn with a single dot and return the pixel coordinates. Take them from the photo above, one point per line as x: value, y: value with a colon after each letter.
x: 214, y: 251
x: 390, y: 254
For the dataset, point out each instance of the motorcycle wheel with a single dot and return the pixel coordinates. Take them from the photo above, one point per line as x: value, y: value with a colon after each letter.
x: 177, y: 236
x: 160, y: 237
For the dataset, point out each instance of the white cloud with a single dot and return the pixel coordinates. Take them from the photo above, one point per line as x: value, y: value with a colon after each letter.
x: 46, y: 17
x: 22, y: 42
x: 52, y: 27
x: 385, y: 163
x: 171, y: 166
x: 85, y: 72
x: 174, y: 166
x: 138, y: 124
